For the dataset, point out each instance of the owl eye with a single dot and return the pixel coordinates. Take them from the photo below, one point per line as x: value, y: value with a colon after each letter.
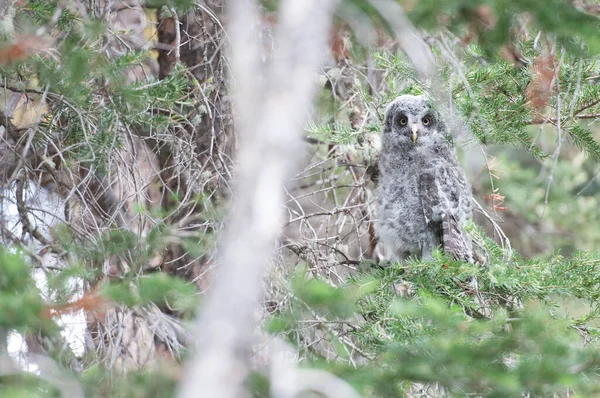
x: 426, y: 120
x: 403, y: 121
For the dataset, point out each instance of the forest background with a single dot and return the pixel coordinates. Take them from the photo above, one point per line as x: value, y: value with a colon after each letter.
x: 145, y: 148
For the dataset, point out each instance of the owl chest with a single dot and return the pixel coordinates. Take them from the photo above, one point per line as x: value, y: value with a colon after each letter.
x: 400, y: 206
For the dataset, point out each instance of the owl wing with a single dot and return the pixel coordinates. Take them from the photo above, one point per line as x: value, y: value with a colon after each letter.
x: 438, y: 213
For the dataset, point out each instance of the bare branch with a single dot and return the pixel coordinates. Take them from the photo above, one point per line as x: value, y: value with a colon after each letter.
x: 289, y: 381
x: 48, y: 370
x: 27, y: 227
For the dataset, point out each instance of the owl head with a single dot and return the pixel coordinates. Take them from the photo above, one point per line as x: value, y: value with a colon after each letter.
x: 411, y: 122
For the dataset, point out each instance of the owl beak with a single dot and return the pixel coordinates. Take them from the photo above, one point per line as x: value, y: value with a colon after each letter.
x: 414, y: 129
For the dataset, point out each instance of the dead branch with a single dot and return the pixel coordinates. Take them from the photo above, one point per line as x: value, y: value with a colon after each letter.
x: 46, y: 369
x: 22, y: 208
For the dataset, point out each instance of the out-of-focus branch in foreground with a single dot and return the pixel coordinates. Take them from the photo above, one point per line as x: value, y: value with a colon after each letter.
x: 273, y: 111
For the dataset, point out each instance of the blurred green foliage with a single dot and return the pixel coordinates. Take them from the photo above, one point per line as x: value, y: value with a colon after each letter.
x: 21, y: 304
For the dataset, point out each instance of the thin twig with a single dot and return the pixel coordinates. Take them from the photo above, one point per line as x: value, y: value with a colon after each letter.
x: 22, y: 209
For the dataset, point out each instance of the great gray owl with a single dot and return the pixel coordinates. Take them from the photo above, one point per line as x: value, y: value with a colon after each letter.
x: 424, y: 196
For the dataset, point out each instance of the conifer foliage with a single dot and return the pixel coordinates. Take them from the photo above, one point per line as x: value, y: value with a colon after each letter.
x: 118, y: 147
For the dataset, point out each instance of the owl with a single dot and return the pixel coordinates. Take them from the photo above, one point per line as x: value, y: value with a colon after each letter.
x: 424, y: 197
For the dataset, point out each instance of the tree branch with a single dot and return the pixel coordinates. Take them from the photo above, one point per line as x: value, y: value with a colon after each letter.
x: 22, y: 208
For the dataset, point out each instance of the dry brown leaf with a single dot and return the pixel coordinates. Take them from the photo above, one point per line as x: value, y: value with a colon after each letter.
x: 22, y: 48
x: 539, y: 90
